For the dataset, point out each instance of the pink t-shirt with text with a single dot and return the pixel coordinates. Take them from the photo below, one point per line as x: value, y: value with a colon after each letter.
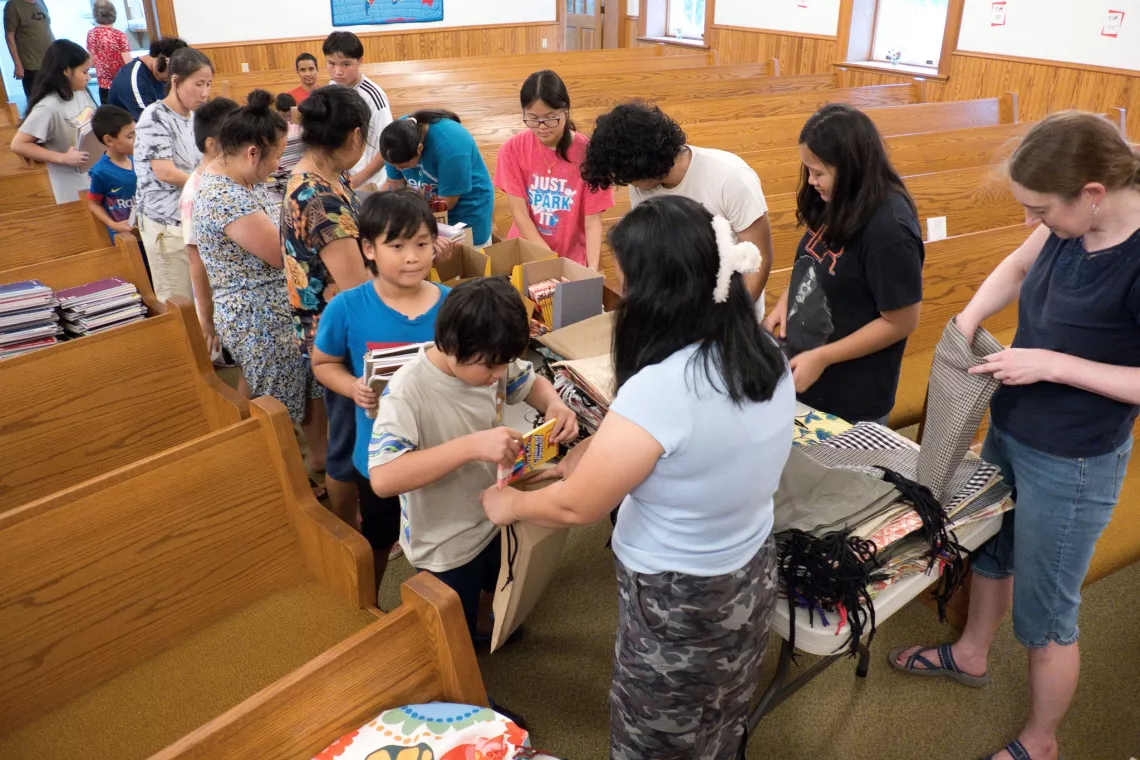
x: 557, y: 198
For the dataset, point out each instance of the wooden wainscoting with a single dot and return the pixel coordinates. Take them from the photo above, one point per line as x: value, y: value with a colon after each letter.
x: 1042, y: 87
x: 798, y: 54
x: 505, y: 39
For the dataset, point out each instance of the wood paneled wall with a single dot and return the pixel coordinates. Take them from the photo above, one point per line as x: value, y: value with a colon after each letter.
x: 455, y: 42
x: 1042, y: 87
x: 798, y: 54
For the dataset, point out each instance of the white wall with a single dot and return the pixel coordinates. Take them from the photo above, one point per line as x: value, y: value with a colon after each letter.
x: 1056, y: 30
x: 819, y: 17
x: 207, y: 21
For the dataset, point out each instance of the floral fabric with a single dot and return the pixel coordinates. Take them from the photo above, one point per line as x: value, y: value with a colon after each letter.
x: 434, y: 731
x: 314, y: 215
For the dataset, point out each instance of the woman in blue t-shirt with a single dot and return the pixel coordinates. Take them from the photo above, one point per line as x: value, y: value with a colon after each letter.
x: 436, y: 155
x: 692, y: 447
x: 1061, y: 427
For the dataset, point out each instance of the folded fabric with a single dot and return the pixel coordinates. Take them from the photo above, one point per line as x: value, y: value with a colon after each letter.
x: 956, y: 401
x: 818, y: 499
x: 594, y: 375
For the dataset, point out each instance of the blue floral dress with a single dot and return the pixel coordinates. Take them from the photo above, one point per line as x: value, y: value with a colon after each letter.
x: 315, y: 214
x: 251, y: 302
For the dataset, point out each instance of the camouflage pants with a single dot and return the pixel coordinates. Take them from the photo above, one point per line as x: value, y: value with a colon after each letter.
x: 687, y: 660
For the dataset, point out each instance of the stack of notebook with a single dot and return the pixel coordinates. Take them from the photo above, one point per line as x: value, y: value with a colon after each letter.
x: 383, y: 360
x: 97, y: 306
x: 28, y: 318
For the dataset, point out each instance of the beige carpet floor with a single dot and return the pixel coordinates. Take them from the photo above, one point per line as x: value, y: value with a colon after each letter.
x: 558, y: 677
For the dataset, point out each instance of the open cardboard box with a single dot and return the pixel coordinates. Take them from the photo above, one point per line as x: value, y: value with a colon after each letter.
x: 508, y: 257
x: 578, y: 297
x: 466, y: 263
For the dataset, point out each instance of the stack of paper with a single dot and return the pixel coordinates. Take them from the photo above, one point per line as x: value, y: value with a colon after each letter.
x: 97, y: 306
x: 28, y: 318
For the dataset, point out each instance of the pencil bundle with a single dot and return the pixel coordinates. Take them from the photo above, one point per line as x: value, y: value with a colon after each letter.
x: 542, y: 293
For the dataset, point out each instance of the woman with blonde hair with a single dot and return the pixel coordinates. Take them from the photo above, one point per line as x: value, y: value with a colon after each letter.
x: 1061, y: 424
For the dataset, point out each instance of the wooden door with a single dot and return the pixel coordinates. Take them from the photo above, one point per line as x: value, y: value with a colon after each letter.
x: 583, y: 24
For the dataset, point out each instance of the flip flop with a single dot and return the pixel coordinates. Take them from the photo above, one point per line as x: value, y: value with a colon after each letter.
x: 944, y: 668
x: 1016, y: 750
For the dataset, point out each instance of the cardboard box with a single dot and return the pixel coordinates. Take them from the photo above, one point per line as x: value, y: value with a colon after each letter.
x: 508, y: 257
x: 590, y: 337
x: 577, y: 299
x: 466, y: 263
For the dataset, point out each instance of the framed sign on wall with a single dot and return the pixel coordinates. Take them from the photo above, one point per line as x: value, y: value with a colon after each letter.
x: 369, y: 12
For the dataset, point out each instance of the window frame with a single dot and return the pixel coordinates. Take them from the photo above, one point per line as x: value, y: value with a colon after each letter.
x: 703, y: 26
x: 903, y: 61
x: 855, y: 39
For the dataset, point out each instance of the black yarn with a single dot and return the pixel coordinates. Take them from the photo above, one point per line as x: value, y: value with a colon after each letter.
x: 512, y: 555
x: 935, y: 529
x: 829, y: 572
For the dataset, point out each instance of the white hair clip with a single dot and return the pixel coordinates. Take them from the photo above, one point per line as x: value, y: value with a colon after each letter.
x: 734, y: 257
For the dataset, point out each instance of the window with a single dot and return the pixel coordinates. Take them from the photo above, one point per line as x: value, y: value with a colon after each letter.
x: 910, y: 31
x: 686, y: 19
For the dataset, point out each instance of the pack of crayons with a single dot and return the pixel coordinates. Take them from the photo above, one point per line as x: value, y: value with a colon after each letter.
x: 538, y: 448
x: 542, y: 293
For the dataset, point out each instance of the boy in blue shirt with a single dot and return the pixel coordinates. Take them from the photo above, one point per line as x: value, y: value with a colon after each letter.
x: 397, y: 237
x: 111, y: 196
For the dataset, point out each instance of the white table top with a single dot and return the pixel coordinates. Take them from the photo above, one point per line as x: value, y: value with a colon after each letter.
x: 820, y: 639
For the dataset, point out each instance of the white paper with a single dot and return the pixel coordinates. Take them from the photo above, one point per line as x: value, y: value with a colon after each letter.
x: 1115, y: 20
x: 935, y: 228
x: 998, y: 14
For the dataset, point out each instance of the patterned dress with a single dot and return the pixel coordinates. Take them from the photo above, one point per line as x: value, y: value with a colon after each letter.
x: 251, y: 304
x: 314, y: 215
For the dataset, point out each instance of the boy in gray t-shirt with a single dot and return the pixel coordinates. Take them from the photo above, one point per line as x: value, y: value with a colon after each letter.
x: 439, y: 437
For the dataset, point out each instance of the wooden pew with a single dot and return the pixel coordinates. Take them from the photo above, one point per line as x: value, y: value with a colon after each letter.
x: 122, y: 260
x: 25, y: 191
x: 144, y: 603
x: 85, y: 407
x: 51, y: 232
x: 780, y: 169
x: 452, y: 71
x: 972, y: 200
x: 953, y: 271
x: 765, y: 133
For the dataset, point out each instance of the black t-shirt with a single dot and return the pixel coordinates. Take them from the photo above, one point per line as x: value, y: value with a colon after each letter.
x: 1085, y: 305
x: 881, y: 270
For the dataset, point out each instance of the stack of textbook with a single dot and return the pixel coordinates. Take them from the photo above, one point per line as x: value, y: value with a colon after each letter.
x: 97, y: 306
x: 28, y: 318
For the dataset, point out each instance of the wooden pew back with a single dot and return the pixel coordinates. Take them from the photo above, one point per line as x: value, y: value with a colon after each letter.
x: 110, y: 572
x: 52, y: 232
x: 25, y: 191
x: 415, y: 654
x: 82, y: 408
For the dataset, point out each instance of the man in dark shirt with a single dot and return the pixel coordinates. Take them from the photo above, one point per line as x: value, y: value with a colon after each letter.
x: 27, y: 27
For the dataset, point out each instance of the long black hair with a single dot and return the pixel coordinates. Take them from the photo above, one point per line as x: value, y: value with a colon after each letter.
x: 402, y: 138
x: 667, y: 251
x: 330, y: 115
x: 257, y: 124
x: 846, y: 139
x: 60, y: 56
x: 546, y: 86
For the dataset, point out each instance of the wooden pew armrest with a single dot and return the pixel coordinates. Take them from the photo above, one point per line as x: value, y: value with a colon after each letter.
x: 418, y: 653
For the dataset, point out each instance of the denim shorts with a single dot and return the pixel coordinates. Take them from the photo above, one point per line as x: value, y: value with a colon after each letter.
x: 342, y: 437
x: 1063, y: 505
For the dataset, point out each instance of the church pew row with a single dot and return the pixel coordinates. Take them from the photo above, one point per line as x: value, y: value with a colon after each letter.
x: 237, y: 86
x: 972, y: 200
x: 755, y: 133
x: 82, y: 408
x: 122, y: 260
x: 200, y: 603
x: 51, y: 233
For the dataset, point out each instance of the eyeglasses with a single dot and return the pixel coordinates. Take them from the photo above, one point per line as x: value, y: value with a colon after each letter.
x: 553, y: 121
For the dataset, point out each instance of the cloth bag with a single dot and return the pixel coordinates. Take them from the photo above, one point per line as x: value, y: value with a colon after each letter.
x: 956, y: 401
x: 818, y: 499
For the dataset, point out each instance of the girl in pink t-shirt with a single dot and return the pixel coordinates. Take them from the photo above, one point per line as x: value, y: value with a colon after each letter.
x: 540, y: 171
